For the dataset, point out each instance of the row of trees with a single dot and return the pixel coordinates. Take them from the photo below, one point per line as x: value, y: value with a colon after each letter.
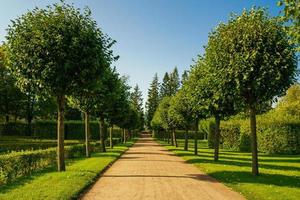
x: 248, y: 61
x: 60, y: 52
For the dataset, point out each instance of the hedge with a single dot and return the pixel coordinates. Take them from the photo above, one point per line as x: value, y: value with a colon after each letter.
x: 179, y: 134
x: 18, y: 164
x: 74, y: 130
x: 275, y: 136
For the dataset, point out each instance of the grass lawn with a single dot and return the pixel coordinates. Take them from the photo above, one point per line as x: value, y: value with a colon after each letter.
x: 279, y: 174
x: 49, y: 184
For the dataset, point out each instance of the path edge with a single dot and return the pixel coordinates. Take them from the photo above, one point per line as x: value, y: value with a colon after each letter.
x: 89, y: 186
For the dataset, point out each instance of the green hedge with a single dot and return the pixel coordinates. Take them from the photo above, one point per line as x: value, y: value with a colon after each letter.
x: 18, y: 164
x: 179, y: 134
x: 74, y: 130
x: 275, y: 136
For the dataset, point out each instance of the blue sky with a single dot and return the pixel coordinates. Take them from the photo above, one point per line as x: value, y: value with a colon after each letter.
x: 152, y: 35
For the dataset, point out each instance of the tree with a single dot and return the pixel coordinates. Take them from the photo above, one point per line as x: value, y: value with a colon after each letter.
x: 291, y: 13
x: 195, y: 95
x: 57, y: 50
x: 174, y: 82
x: 136, y: 101
x: 165, y: 86
x: 117, y: 112
x: 290, y: 103
x: 153, y: 100
x: 260, y: 63
x: 161, y: 117
x: 179, y: 114
x: 184, y: 76
x: 12, y: 100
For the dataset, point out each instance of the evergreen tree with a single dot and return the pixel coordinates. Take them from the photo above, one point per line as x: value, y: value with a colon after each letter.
x: 137, y: 105
x: 164, y: 88
x: 153, y: 100
x: 174, y: 82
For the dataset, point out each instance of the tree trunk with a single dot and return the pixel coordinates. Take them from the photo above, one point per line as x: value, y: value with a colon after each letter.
x: 196, y: 139
x: 217, y: 137
x: 168, y: 135
x: 111, y: 136
x: 60, y: 134
x: 124, y: 135
x: 87, y: 134
x: 253, y: 141
x: 29, y: 115
x: 101, y: 128
x: 186, y: 140
x: 6, y: 118
x: 174, y: 138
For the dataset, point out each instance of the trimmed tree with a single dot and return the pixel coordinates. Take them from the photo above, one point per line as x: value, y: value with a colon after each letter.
x: 260, y: 62
x: 56, y: 50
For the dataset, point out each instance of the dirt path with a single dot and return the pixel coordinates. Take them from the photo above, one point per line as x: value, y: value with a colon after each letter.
x: 149, y: 171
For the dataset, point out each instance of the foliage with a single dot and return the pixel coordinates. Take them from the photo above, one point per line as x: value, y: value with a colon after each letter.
x: 68, y: 185
x: 153, y: 100
x: 18, y: 164
x: 136, y: 101
x: 291, y: 13
x: 48, y: 129
x: 161, y: 118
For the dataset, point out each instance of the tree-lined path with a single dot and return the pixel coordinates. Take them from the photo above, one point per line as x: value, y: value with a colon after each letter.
x: 148, y: 171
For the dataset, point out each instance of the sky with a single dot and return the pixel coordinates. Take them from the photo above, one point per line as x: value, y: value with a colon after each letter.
x: 153, y: 36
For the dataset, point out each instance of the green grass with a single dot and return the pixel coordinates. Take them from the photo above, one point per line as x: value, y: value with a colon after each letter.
x: 279, y: 174
x: 49, y: 184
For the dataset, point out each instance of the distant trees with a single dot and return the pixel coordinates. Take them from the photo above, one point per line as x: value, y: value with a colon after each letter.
x: 136, y: 101
x: 153, y: 100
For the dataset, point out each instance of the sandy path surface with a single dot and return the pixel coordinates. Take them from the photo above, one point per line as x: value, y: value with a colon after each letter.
x: 149, y: 171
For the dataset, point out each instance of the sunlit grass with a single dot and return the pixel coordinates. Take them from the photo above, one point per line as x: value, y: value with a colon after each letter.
x: 279, y: 174
x: 49, y: 184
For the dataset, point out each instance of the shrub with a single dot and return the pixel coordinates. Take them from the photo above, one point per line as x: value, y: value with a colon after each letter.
x: 74, y: 130
x: 276, y: 134
x: 18, y: 164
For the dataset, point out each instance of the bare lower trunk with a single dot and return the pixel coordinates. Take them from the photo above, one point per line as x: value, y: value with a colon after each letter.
x: 253, y: 141
x: 111, y: 136
x: 7, y: 118
x: 102, y: 137
x: 217, y: 137
x: 174, y: 138
x: 168, y: 135
x: 196, y: 139
x: 124, y: 135
x: 186, y: 140
x: 60, y: 134
x: 87, y: 133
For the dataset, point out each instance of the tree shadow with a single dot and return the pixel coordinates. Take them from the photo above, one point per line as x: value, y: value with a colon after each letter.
x: 242, y: 164
x: 200, y: 177
x: 235, y: 177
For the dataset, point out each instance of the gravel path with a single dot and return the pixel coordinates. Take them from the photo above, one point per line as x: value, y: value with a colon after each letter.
x: 149, y: 171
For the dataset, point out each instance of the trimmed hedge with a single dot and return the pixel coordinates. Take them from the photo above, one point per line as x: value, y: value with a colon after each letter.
x: 18, y: 164
x: 275, y: 136
x: 179, y: 134
x: 74, y: 130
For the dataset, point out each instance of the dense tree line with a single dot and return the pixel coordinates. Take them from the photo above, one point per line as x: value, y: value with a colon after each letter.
x: 58, y: 58
x: 248, y: 61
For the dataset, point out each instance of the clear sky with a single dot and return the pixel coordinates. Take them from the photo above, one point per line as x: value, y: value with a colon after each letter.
x: 152, y: 35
